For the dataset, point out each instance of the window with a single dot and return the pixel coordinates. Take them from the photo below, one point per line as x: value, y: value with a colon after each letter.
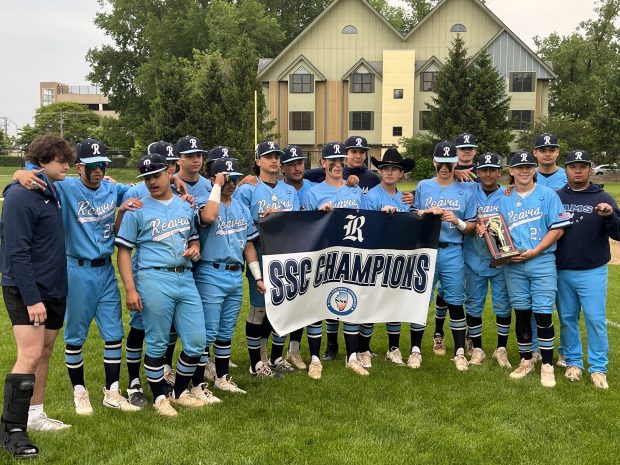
x: 361, y: 120
x: 301, y: 81
x: 47, y: 96
x: 398, y: 93
x: 458, y: 27
x: 397, y: 131
x: 428, y: 78
x: 362, y: 81
x: 522, y: 82
x: 106, y: 107
x: 301, y: 120
x: 93, y: 106
x: 424, y: 116
x: 349, y: 29
x: 521, y: 119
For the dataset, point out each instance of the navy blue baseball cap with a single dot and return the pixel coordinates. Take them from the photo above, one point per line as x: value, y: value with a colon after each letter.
x: 356, y: 142
x: 333, y: 150
x: 91, y: 151
x: 546, y: 139
x: 488, y: 160
x: 522, y: 159
x: 445, y: 152
x: 152, y: 163
x: 578, y: 156
x: 225, y: 165
x: 266, y: 147
x: 292, y: 153
x: 465, y: 141
x: 219, y: 151
x: 189, y: 144
x: 163, y: 148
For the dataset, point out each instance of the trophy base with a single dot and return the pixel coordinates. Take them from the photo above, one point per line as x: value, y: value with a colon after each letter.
x: 504, y: 257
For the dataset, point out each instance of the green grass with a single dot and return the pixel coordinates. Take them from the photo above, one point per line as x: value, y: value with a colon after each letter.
x: 434, y: 415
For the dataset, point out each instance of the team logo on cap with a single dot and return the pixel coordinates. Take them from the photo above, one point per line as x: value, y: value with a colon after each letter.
x: 547, y: 140
x: 293, y: 152
x: 146, y: 162
x: 446, y: 151
x: 192, y: 144
x: 578, y: 155
x: 272, y: 145
x: 336, y: 148
x: 358, y: 142
x: 466, y: 138
x: 341, y: 301
x: 524, y: 157
x: 170, y: 150
x: 224, y: 153
x: 95, y: 149
x: 229, y: 165
x: 487, y: 158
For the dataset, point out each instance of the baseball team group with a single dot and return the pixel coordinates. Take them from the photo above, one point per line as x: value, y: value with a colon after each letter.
x: 187, y: 230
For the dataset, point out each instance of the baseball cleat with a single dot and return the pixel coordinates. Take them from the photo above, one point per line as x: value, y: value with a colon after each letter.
x: 477, y: 356
x: 547, y: 377
x: 439, y: 344
x: 263, y: 371
x: 135, y: 396
x: 294, y: 358
x: 226, y: 384
x: 460, y: 361
x: 536, y: 356
x: 469, y: 346
x: 331, y: 352
x: 525, y: 368
x: 415, y: 360
x: 599, y: 380
x: 573, y: 374
x: 561, y: 363
x: 163, y: 407
x: 113, y: 398
x: 365, y: 359
x: 204, y: 395
x: 281, y: 366
x: 501, y: 355
x: 210, y: 371
x: 41, y: 422
x: 356, y: 367
x: 82, y: 403
x: 186, y: 400
x: 394, y: 356
x: 315, y: 369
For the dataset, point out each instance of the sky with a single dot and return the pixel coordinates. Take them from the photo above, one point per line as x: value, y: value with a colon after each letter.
x: 48, y: 41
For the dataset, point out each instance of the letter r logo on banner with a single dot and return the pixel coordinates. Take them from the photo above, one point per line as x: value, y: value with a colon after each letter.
x: 353, y: 229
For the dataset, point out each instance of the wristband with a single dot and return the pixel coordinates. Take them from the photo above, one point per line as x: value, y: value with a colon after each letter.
x: 255, y: 270
x: 461, y: 225
x: 216, y: 192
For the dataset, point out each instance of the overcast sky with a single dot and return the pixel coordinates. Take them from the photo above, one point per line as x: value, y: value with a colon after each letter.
x: 47, y: 41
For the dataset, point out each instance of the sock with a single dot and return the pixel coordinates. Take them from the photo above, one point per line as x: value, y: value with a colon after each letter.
x: 503, y: 330
x: 172, y: 341
x: 75, y: 364
x: 474, y: 327
x: 35, y: 410
x: 523, y: 328
x: 221, y: 349
x: 350, y: 332
x: 252, y: 335
x: 546, y: 336
x: 441, y: 309
x: 277, y: 346
x: 112, y: 354
x: 457, y: 326
x: 331, y: 329
x: 154, y: 370
x: 393, y: 332
x: 365, y: 333
x: 314, y: 333
x: 186, y: 366
x: 417, y: 331
x: 295, y: 337
x: 133, y: 352
x: 293, y: 346
x: 198, y: 377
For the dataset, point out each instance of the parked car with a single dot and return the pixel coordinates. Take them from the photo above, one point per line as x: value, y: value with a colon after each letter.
x: 604, y: 169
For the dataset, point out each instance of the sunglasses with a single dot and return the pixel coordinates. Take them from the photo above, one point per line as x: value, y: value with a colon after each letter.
x: 98, y: 164
x: 233, y: 178
x: 152, y: 167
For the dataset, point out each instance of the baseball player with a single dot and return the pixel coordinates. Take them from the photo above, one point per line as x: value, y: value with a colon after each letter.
x: 326, y: 196
x: 478, y: 272
x: 227, y: 239
x: 443, y: 195
x: 164, y: 235
x: 582, y: 255
x: 387, y: 198
x: 189, y: 150
x: 546, y: 152
x: 535, y: 219
x: 89, y: 203
x: 267, y: 196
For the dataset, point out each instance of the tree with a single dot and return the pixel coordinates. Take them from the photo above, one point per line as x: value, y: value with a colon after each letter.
x: 292, y: 17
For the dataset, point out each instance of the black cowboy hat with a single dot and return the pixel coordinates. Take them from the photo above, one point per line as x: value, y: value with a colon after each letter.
x: 392, y: 157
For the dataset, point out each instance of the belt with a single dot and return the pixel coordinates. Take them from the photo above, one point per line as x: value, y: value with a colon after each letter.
x: 226, y: 266
x: 174, y: 269
x: 96, y: 263
x: 443, y: 245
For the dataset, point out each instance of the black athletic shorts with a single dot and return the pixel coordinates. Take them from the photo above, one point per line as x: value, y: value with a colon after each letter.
x: 18, y: 313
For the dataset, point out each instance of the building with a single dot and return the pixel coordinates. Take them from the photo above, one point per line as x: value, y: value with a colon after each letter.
x: 351, y: 72
x: 90, y: 96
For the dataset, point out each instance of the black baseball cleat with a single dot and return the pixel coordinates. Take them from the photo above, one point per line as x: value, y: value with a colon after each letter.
x: 331, y: 352
x: 136, y: 397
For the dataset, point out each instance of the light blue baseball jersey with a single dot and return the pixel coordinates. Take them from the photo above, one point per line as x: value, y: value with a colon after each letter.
x: 529, y: 219
x: 475, y: 249
x: 88, y: 217
x: 140, y: 191
x: 340, y: 197
x: 556, y: 181
x: 454, y: 197
x: 378, y: 197
x: 225, y: 239
x: 301, y: 193
x: 198, y: 189
x: 258, y: 199
x: 160, y: 231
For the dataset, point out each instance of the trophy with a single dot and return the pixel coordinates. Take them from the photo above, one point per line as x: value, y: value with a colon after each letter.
x: 498, y: 239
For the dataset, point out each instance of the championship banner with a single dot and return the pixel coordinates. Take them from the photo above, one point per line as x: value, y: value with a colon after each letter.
x: 358, y: 266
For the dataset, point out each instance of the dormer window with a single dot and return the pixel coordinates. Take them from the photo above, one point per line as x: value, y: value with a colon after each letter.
x: 349, y: 29
x: 302, y: 81
x: 362, y: 81
x: 458, y: 27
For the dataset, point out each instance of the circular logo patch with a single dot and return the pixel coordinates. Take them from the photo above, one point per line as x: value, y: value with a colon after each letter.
x: 342, y: 301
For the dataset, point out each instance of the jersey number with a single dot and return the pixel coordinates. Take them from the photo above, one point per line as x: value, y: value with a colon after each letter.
x: 107, y: 231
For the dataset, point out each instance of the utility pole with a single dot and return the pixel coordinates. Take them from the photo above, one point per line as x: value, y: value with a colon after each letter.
x: 62, y: 124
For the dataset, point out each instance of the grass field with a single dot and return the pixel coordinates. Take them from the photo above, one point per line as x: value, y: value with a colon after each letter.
x: 395, y: 416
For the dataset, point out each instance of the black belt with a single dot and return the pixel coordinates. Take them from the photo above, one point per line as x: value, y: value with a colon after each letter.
x: 443, y: 245
x: 226, y: 266
x: 96, y: 263
x: 174, y: 269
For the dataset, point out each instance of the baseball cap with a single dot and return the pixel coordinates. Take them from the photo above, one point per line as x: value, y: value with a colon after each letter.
x: 266, y: 147
x: 333, y: 150
x: 465, y: 140
x: 163, y: 148
x: 292, y: 153
x: 522, y: 159
x: 445, y: 152
x: 152, y: 163
x: 578, y: 156
x: 356, y: 142
x: 226, y: 165
x: 219, y: 151
x: 188, y: 144
x: 488, y: 160
x: 91, y: 151
x: 546, y: 139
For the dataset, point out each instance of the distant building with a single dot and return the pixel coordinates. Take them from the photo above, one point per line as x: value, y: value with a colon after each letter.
x: 90, y: 96
x: 351, y: 72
